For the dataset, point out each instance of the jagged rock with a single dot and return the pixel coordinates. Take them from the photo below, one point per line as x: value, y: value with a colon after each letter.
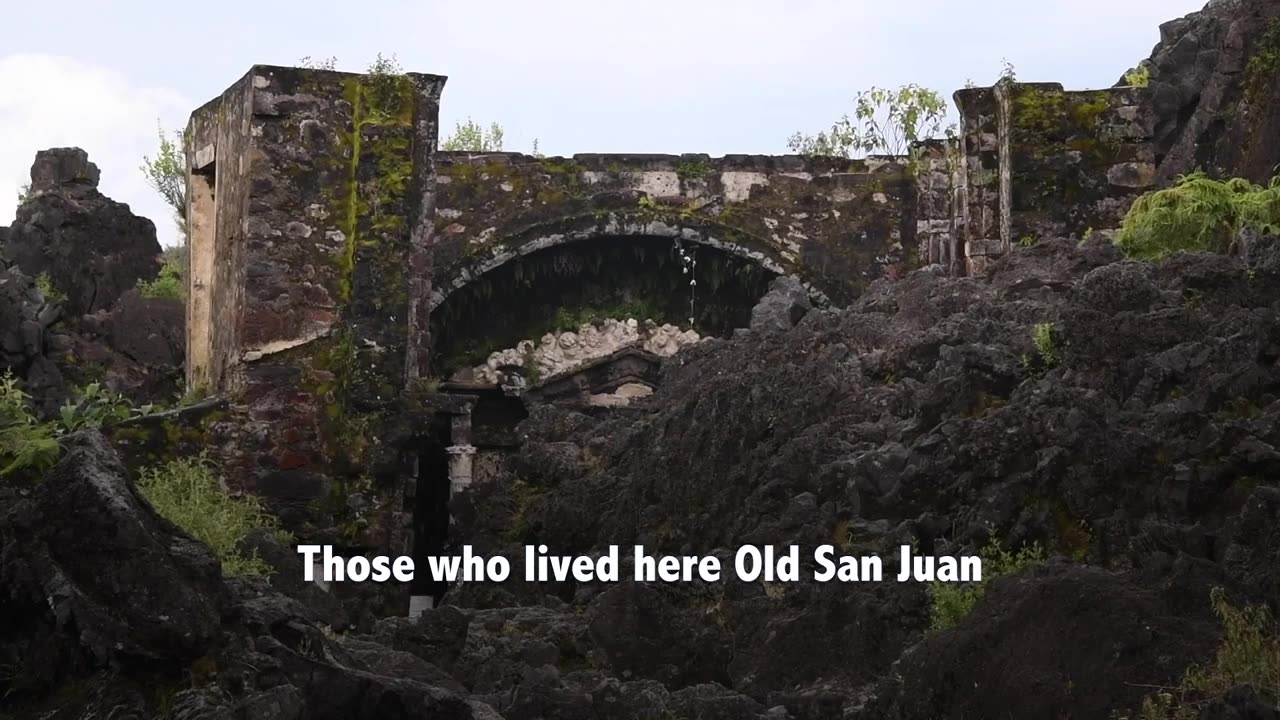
x: 58, y: 167
x: 782, y: 307
x: 150, y: 331
x: 1099, y: 642
x: 923, y: 415
x: 92, y: 577
x: 93, y: 248
x: 1215, y: 96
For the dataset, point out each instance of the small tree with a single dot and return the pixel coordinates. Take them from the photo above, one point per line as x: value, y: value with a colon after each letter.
x: 166, y: 173
x: 472, y: 137
x: 884, y: 122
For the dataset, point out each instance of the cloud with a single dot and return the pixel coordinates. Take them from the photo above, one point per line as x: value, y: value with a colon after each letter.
x: 51, y: 101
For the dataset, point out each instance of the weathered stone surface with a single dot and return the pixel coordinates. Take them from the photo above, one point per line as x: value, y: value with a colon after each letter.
x: 93, y: 577
x: 782, y: 307
x: 58, y: 167
x: 1215, y: 91
x: 93, y: 248
x: 836, y: 223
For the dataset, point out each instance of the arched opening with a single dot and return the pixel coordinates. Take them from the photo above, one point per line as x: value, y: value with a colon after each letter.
x: 561, y: 287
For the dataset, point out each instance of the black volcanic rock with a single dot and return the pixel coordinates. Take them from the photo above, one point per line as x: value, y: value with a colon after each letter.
x: 93, y: 248
x: 1215, y: 89
x: 92, y: 577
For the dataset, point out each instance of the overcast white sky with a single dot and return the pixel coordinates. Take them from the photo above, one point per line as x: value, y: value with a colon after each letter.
x: 669, y: 76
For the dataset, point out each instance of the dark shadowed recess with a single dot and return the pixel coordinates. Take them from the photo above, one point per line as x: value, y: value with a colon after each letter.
x: 609, y: 277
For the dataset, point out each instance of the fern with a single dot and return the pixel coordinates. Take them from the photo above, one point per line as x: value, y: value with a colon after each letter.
x: 1198, y: 214
x: 26, y: 445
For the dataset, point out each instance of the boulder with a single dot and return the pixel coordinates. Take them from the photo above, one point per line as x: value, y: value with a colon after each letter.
x: 91, y: 576
x: 1215, y: 91
x: 93, y: 248
x: 786, y: 302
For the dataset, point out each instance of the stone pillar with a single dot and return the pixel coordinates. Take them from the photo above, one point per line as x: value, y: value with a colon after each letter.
x: 460, y: 462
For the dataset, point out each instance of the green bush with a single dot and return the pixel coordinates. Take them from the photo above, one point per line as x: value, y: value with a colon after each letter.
x: 26, y: 445
x: 189, y: 494
x: 1198, y: 214
x: 952, y: 602
x: 93, y: 407
x: 170, y: 282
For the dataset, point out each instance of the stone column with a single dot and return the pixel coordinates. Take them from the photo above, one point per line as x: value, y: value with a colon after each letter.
x: 460, y: 462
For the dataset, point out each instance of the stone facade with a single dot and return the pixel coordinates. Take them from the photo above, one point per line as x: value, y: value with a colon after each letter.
x: 307, y: 191
x: 838, y: 224
x: 1038, y: 161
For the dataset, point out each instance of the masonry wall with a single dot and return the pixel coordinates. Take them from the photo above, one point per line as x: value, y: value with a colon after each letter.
x: 317, y: 376
x: 1041, y: 162
x: 1078, y: 158
x: 838, y: 224
x: 217, y: 147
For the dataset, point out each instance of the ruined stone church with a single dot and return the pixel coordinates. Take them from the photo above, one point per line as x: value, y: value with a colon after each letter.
x: 349, y: 284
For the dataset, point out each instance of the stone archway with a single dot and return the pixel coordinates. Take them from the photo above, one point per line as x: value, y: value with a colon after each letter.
x: 610, y: 270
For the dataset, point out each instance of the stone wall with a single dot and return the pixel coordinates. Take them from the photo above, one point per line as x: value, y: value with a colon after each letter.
x: 837, y: 224
x: 309, y: 317
x: 1043, y: 162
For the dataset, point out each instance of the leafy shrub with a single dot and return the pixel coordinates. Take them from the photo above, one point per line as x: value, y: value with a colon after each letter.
x: 1248, y: 655
x: 26, y: 445
x: 1198, y: 214
x: 171, y: 281
x: 952, y: 602
x: 189, y: 494
x: 94, y: 407
x: 884, y: 121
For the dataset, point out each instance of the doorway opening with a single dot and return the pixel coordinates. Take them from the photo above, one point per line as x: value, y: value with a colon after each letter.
x: 430, y: 517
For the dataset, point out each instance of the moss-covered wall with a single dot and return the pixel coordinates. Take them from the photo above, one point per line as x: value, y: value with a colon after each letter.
x: 1078, y: 159
x: 838, y: 224
x: 1043, y: 162
x: 322, y: 323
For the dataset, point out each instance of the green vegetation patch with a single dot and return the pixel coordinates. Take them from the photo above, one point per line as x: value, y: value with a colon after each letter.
x: 952, y: 602
x: 188, y: 493
x: 1248, y: 655
x: 1198, y: 214
x: 26, y: 445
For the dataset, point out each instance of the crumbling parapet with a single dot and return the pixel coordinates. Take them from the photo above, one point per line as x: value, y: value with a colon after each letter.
x: 938, y: 170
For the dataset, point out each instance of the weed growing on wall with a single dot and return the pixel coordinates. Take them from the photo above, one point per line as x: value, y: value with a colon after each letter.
x: 1198, y: 214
